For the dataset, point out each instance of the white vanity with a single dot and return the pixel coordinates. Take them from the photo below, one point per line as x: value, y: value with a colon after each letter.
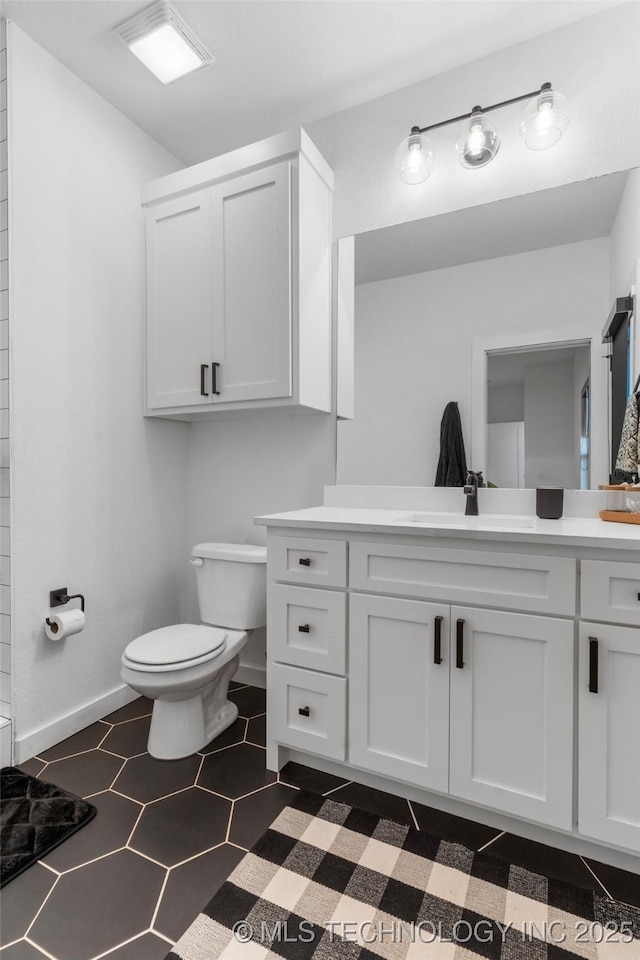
x: 487, y: 666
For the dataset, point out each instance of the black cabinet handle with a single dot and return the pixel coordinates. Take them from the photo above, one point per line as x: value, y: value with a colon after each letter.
x: 203, y: 374
x: 593, y: 665
x: 214, y: 379
x: 437, y: 640
x: 460, y: 644
x: 304, y: 562
x: 304, y: 628
x: 304, y: 711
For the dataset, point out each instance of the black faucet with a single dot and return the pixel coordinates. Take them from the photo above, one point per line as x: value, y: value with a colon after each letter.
x: 474, y: 480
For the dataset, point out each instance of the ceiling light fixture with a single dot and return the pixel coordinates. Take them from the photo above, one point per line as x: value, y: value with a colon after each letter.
x: 163, y: 42
x: 544, y: 122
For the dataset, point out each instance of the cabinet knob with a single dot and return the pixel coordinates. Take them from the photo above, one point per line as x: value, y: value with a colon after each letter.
x: 304, y: 561
x: 304, y: 628
x: 304, y: 711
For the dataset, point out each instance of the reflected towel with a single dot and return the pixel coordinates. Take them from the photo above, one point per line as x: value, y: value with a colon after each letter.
x: 629, y: 451
x: 452, y: 465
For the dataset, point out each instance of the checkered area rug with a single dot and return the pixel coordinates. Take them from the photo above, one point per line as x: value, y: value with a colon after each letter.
x: 330, y: 882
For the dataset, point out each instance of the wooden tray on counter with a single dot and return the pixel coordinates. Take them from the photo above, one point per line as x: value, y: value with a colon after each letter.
x: 620, y: 516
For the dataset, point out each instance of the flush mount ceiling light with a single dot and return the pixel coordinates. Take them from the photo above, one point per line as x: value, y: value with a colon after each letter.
x: 544, y: 122
x: 163, y: 42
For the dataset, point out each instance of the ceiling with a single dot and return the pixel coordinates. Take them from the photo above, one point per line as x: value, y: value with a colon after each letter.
x: 547, y: 218
x: 280, y: 63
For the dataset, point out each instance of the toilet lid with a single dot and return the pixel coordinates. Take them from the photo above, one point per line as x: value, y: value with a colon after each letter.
x: 175, y: 644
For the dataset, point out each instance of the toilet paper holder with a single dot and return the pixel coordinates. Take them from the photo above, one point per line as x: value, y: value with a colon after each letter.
x: 60, y: 596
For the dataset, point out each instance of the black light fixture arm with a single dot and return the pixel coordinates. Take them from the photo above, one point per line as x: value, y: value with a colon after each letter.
x: 494, y: 106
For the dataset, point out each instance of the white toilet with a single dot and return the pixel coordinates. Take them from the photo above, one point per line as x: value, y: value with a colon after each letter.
x: 186, y: 668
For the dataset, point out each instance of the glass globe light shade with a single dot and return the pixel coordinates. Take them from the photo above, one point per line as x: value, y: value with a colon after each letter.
x: 545, y: 119
x: 478, y: 140
x: 414, y: 157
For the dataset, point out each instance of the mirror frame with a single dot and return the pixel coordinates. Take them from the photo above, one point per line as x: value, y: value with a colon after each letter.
x: 482, y: 347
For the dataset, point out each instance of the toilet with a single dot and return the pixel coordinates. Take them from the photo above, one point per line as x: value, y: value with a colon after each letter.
x: 186, y: 668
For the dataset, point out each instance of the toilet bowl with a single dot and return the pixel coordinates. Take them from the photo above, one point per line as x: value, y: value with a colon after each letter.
x: 186, y: 668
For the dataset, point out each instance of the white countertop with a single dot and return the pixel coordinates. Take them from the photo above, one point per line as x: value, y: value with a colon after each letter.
x: 570, y: 531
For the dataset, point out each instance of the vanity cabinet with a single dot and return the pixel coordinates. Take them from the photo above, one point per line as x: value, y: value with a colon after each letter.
x: 473, y: 702
x: 399, y: 689
x: 512, y: 713
x: 239, y: 283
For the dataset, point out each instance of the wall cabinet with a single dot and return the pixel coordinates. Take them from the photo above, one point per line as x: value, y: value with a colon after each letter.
x: 239, y: 285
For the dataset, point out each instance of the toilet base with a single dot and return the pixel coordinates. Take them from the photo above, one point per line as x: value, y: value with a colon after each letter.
x: 179, y: 728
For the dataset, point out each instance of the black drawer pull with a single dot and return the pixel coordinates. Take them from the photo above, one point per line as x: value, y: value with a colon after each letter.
x: 304, y: 561
x: 460, y: 644
x: 304, y: 628
x: 214, y: 379
x: 437, y: 640
x: 593, y: 665
x: 203, y: 374
x: 304, y: 711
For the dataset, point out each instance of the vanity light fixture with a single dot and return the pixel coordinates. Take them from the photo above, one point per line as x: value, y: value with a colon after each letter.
x: 545, y: 120
x: 163, y: 42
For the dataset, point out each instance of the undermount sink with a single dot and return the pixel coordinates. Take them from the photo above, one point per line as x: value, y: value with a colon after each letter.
x: 487, y: 520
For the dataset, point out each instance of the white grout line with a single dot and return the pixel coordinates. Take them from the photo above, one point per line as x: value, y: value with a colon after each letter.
x: 199, y: 786
x: 123, y: 795
x: 493, y: 840
x: 103, y: 856
x: 166, y: 796
x: 133, y: 828
x: 112, y: 950
x: 244, y: 795
x: 415, y: 821
x: 162, y: 937
x: 5, y: 946
x: 160, y: 896
x: 237, y: 845
x: 41, y: 950
x: 333, y: 789
x: 58, y: 873
x: 118, y: 723
x: 196, y: 855
x: 596, y: 877
x: 118, y: 773
x: 40, y: 908
x: 231, y: 812
x: 146, y: 857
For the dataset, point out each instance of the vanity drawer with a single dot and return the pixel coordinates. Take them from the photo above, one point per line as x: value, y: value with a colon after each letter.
x: 307, y: 710
x: 506, y: 580
x: 610, y: 591
x: 321, y: 563
x: 307, y: 627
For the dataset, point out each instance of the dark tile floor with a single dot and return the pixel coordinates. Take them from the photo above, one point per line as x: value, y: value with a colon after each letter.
x: 168, y: 833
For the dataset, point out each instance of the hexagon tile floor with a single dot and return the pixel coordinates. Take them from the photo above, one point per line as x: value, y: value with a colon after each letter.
x: 168, y: 833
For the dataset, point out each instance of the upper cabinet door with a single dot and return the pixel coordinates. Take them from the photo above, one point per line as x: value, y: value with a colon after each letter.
x: 251, y: 265
x: 179, y: 301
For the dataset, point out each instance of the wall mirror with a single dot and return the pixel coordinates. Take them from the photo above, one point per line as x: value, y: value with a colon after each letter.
x: 500, y: 307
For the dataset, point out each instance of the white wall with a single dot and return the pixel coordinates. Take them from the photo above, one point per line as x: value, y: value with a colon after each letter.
x: 549, y: 438
x: 98, y: 493
x: 595, y: 63
x: 505, y: 402
x: 5, y: 503
x: 414, y: 348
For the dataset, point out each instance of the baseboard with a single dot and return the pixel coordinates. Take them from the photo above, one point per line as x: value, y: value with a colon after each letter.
x: 257, y: 678
x: 48, y: 736
x: 5, y: 742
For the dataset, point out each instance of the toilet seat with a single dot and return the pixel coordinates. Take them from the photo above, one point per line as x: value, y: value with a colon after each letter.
x: 175, y: 647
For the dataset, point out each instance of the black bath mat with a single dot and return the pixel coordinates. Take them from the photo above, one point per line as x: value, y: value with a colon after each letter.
x: 34, y: 818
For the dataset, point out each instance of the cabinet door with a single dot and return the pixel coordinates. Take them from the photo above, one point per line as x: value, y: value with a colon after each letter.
x: 512, y: 713
x: 252, y: 285
x: 609, y: 734
x: 398, y: 693
x: 179, y: 299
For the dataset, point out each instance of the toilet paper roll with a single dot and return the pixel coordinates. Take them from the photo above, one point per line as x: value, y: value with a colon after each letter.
x: 64, y: 624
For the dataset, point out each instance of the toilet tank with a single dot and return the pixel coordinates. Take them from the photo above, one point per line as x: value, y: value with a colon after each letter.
x: 232, y: 584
